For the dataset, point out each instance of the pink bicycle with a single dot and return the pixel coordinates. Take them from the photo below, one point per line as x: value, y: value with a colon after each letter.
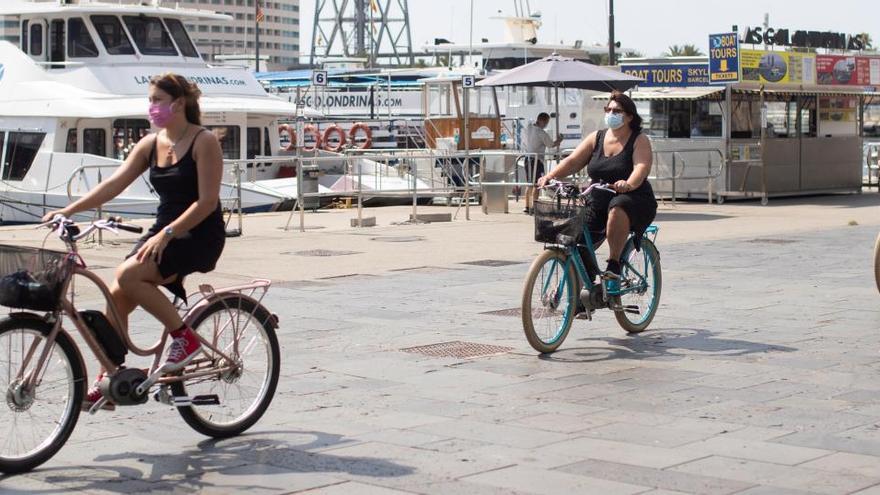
x: 222, y: 393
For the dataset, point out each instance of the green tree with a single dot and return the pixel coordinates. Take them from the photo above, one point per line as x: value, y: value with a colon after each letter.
x: 683, y: 51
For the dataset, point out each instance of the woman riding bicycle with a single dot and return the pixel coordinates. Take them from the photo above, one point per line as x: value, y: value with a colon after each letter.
x: 620, y: 156
x: 185, y: 165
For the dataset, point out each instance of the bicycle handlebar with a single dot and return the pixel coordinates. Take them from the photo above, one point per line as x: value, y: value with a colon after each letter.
x: 602, y: 186
x: 63, y: 225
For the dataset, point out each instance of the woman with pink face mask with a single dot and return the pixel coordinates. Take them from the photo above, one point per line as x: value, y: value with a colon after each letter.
x: 185, y: 166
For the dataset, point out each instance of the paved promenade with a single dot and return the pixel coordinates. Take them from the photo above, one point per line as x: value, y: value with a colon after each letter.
x: 759, y: 375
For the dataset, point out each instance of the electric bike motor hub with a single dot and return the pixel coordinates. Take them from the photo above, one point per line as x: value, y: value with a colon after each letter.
x: 121, y: 388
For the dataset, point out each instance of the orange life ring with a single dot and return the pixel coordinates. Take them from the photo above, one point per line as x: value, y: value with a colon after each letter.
x: 360, y: 126
x: 313, y: 131
x: 290, y: 132
x: 328, y: 133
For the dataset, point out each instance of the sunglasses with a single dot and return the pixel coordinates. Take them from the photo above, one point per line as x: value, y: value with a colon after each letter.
x: 614, y: 110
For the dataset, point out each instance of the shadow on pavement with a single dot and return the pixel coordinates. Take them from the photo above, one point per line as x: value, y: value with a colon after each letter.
x: 662, y: 343
x: 248, y: 456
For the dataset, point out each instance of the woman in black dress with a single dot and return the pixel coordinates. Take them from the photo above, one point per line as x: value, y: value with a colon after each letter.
x: 621, y: 156
x: 185, y: 165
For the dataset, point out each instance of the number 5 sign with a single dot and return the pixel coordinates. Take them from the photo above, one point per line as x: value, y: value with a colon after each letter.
x: 319, y: 78
x: 468, y: 81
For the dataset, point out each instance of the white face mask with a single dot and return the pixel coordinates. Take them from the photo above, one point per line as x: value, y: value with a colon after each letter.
x: 613, y: 120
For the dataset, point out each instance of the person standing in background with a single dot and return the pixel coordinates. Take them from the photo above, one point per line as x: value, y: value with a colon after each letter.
x: 536, y: 141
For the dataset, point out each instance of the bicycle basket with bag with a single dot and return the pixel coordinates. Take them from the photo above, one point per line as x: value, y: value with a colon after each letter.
x: 558, y: 221
x: 31, y: 278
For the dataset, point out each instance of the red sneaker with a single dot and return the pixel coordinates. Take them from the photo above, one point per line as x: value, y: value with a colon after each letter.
x: 94, y: 394
x: 184, y: 348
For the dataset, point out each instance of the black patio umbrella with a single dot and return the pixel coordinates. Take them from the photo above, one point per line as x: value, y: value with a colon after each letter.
x: 562, y: 72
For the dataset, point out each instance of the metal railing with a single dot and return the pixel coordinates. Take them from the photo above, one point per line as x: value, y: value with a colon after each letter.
x: 679, y: 165
x: 872, y: 163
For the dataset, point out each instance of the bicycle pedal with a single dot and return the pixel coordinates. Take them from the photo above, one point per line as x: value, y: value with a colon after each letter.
x: 198, y: 400
x: 632, y: 309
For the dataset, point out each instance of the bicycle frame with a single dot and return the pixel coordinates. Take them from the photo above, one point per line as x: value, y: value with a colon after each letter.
x: 573, y: 256
x: 208, y: 296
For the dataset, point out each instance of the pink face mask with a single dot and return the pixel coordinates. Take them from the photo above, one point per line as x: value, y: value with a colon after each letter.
x: 161, y: 114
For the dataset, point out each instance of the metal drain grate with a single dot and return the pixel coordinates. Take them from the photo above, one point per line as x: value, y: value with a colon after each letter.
x: 398, y: 238
x: 321, y: 252
x: 491, y: 263
x: 504, y: 312
x: 458, y: 349
x: 771, y: 241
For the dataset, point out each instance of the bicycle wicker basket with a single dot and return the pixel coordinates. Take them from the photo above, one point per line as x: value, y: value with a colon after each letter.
x: 31, y: 278
x: 558, y: 222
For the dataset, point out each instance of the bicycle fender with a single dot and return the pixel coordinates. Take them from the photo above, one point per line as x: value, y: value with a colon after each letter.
x: 207, y: 302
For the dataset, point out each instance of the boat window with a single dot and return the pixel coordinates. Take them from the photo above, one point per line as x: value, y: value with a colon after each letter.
x: 184, y: 43
x: 253, y: 143
x: 20, y: 153
x: 24, y: 35
x: 112, y: 35
x: 95, y: 142
x: 79, y: 41
x: 56, y: 42
x: 149, y: 35
x: 126, y: 133
x: 36, y: 40
x: 230, y: 140
x: 267, y: 143
x: 70, y: 147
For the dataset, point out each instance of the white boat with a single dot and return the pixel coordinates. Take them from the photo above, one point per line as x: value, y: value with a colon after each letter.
x: 73, y: 103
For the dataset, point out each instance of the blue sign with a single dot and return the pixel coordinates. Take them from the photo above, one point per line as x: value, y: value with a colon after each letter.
x: 669, y: 75
x: 723, y: 58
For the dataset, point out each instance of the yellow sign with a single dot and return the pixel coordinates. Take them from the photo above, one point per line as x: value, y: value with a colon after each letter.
x: 778, y: 67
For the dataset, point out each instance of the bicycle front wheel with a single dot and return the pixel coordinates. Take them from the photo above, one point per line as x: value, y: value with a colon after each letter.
x: 642, y: 280
x: 549, y: 301
x: 35, y: 422
x: 244, y: 332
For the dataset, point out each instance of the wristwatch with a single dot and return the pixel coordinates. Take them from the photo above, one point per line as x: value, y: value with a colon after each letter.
x: 169, y: 232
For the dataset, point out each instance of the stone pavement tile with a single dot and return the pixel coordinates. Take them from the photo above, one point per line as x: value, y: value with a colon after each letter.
x: 758, y: 433
x: 668, y: 435
x: 392, y: 465
x: 845, y: 462
x: 501, y: 434
x: 561, y: 423
x: 446, y: 487
x: 402, y: 437
x: 351, y: 487
x: 539, y: 481
x: 633, y: 417
x: 585, y: 392
x: 453, y: 445
x: 658, y: 478
x: 832, y: 441
x: 257, y: 478
x: 873, y: 490
x: 777, y: 475
x: 621, y: 452
x: 23, y: 483
x: 773, y: 490
x: 725, y: 446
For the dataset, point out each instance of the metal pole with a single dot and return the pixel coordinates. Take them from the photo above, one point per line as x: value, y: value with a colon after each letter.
x: 100, y: 214
x: 299, y: 193
x: 611, y: 32
x: 413, y: 170
x: 558, y: 130
x: 471, y: 39
x: 257, y: 9
x: 360, y: 196
x: 467, y: 153
x: 673, y: 177
x: 238, y: 172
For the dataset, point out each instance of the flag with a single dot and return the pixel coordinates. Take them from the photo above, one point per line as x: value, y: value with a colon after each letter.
x: 260, y: 16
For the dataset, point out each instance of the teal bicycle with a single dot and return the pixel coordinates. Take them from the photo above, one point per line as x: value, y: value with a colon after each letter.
x: 564, y: 281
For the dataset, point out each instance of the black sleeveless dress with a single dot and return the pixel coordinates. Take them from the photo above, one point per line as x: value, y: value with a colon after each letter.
x: 639, y: 204
x: 197, y: 250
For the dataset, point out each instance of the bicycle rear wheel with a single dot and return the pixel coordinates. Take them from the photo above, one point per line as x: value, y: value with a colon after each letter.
x: 244, y: 331
x: 640, y: 269
x: 549, y: 300
x: 35, y: 424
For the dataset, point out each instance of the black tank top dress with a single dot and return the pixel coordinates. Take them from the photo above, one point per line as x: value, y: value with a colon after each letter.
x: 639, y: 204
x: 197, y: 250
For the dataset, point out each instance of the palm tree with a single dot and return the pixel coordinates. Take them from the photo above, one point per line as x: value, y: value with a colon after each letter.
x: 683, y: 51
x: 866, y: 40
